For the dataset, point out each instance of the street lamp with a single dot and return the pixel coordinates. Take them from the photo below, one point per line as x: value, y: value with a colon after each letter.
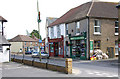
x: 38, y: 20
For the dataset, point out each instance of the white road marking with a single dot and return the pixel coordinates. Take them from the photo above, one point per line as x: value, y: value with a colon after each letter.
x: 76, y: 71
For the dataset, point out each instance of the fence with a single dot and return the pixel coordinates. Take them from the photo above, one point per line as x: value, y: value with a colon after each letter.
x: 61, y: 65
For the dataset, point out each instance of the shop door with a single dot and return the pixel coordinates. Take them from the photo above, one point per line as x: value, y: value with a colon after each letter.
x: 111, y: 52
x: 56, y: 49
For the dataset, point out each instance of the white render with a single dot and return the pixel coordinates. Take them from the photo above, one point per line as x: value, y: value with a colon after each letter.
x: 4, y: 56
x: 15, y: 46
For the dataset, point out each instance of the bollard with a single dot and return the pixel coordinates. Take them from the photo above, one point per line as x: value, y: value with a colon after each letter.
x: 68, y: 66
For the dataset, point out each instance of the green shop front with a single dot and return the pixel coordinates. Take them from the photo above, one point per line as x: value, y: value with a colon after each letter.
x: 78, y: 48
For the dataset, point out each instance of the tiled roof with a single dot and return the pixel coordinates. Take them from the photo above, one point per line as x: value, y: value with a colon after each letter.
x: 3, y: 40
x: 22, y: 38
x: 89, y: 9
x: 2, y: 19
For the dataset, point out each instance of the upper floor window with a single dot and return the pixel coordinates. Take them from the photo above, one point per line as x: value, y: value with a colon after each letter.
x: 52, y: 32
x: 58, y: 31
x: 97, y: 27
x: 77, y: 27
x: 66, y: 29
x: 116, y: 27
x: 30, y: 43
x: 25, y: 43
x: 1, y: 49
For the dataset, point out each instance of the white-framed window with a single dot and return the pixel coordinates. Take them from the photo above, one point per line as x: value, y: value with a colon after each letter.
x: 25, y: 43
x: 58, y: 31
x: 77, y: 28
x: 116, y: 27
x: 97, y: 27
x: 66, y: 29
x: 116, y: 47
x: 52, y: 32
x: 36, y: 43
x: 1, y: 48
x: 30, y: 43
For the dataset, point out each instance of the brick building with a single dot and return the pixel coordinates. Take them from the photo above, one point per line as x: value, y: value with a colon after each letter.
x: 118, y: 6
x: 90, y: 26
x: 23, y: 44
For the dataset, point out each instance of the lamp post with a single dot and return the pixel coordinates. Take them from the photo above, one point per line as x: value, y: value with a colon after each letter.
x: 38, y: 20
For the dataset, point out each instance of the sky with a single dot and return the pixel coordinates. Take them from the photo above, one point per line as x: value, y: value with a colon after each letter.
x: 22, y: 14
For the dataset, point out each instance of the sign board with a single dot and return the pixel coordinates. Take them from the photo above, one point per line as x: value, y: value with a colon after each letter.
x: 91, y: 46
x: 51, y: 43
x: 40, y: 41
x: 77, y: 38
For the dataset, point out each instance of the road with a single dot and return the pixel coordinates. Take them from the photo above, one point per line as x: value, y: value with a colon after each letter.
x: 81, y: 68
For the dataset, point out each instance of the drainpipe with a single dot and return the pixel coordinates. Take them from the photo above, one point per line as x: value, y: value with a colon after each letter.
x: 88, y: 39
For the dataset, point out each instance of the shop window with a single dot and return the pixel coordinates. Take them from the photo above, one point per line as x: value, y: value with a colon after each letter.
x: 58, y: 31
x: 97, y: 27
x: 116, y: 47
x: 1, y: 48
x: 77, y: 27
x: 116, y: 27
x: 66, y: 29
x: 97, y: 44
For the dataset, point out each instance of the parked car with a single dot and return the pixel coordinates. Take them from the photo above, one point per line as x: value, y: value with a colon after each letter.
x: 28, y: 52
x: 35, y: 54
x: 43, y: 54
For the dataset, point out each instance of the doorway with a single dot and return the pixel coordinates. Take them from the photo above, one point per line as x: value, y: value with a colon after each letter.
x: 111, y: 52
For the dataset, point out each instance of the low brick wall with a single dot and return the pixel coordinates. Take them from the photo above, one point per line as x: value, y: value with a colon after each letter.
x: 27, y: 62
x: 67, y: 69
x: 56, y: 68
x: 40, y: 65
x: 17, y: 60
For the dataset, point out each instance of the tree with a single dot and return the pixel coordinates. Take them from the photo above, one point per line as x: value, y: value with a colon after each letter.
x: 35, y: 33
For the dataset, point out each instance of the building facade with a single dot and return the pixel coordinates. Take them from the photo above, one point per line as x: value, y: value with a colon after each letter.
x: 23, y: 44
x: 118, y: 6
x: 90, y: 26
x: 4, y: 49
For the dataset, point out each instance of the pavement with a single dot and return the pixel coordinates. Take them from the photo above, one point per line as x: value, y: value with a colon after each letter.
x: 80, y: 69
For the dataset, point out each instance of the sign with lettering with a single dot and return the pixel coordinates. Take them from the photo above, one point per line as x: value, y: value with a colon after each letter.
x: 77, y: 38
x: 91, y: 46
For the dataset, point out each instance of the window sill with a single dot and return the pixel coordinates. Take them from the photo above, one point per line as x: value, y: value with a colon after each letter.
x: 116, y: 34
x: 97, y: 34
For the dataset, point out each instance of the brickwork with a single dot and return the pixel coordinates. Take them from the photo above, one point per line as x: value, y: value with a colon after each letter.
x: 107, y: 36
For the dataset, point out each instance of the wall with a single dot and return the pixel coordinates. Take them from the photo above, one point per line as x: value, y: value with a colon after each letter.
x: 4, y: 56
x: 119, y: 31
x: 72, y: 26
x: 15, y: 46
x: 107, y: 32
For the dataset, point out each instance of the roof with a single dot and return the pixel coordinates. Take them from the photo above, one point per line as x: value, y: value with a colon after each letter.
x: 89, y: 9
x: 2, y: 19
x: 3, y: 40
x: 50, y: 20
x: 22, y: 38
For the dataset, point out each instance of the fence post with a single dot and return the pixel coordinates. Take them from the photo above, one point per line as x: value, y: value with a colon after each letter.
x: 68, y: 65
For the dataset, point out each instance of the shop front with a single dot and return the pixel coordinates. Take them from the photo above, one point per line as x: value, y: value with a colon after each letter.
x: 56, y: 47
x: 78, y: 47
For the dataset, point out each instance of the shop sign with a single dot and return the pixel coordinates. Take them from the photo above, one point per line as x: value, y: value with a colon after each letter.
x: 40, y: 41
x: 51, y: 43
x: 77, y: 38
x: 91, y: 46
